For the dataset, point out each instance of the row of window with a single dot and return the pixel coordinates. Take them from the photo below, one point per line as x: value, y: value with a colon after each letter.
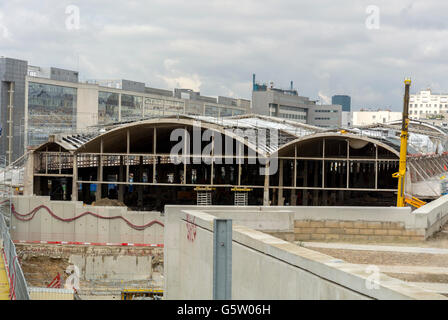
x: 335, y: 111
x: 131, y: 108
x: 50, y: 107
x: 321, y: 118
x: 293, y: 116
x: 427, y: 105
x: 422, y: 112
x: 55, y: 107
x: 290, y: 108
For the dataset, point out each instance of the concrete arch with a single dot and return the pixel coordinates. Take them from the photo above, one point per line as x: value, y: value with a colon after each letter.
x: 336, y: 135
x: 420, y: 123
x: 170, y: 121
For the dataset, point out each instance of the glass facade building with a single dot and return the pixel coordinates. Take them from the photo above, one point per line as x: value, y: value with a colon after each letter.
x: 211, y: 111
x: 344, y: 101
x: 161, y: 107
x: 108, y: 107
x: 131, y: 107
x: 51, y: 109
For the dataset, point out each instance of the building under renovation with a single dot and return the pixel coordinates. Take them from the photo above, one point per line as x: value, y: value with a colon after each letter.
x: 249, y: 159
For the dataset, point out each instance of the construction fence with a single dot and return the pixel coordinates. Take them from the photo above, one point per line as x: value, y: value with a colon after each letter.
x: 17, y: 283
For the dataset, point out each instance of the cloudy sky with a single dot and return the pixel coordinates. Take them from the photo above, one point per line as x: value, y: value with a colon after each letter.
x: 325, y: 46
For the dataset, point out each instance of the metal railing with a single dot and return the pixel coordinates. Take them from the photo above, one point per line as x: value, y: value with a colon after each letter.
x: 18, y: 289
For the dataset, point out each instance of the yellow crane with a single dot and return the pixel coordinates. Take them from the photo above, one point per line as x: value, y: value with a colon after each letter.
x: 401, y: 199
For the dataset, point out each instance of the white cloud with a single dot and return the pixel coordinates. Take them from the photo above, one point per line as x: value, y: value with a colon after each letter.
x: 215, y: 45
x: 4, y: 32
x: 324, y: 98
x: 189, y: 82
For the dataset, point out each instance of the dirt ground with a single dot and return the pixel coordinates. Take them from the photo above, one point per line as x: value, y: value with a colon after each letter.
x: 387, y: 258
x: 40, y: 271
x: 42, y: 263
x: 106, y: 202
x: 421, y: 277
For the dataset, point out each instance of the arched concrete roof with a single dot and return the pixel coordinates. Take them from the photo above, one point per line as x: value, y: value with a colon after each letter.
x: 180, y: 121
x: 423, y: 124
x: 80, y: 144
x: 340, y: 135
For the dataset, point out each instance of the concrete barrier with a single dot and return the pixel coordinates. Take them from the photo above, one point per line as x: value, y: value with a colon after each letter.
x: 44, y: 227
x: 263, y: 267
x: 396, y: 223
x: 432, y: 216
x: 37, y: 293
x: 95, y: 263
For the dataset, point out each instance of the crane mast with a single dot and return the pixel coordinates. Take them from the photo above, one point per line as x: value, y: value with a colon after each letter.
x: 401, y: 174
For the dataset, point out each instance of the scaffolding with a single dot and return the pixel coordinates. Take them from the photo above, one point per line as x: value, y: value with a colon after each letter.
x: 241, y: 196
x: 204, y: 196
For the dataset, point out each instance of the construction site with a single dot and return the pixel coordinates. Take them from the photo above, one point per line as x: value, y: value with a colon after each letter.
x: 178, y: 207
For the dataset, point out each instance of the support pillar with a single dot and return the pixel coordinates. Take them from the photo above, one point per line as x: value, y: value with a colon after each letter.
x: 266, y: 186
x: 74, y: 179
x: 99, y: 174
x: 28, y: 180
x: 222, y: 259
x: 293, y: 196
x: 154, y: 146
x: 316, y: 179
x: 140, y: 187
x: 281, y: 199
x: 121, y: 179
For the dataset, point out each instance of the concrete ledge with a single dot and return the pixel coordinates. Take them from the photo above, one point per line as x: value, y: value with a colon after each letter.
x: 264, y: 267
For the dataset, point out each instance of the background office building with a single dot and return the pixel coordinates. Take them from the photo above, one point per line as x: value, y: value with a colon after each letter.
x: 427, y: 105
x: 51, y: 100
x: 342, y: 100
x: 367, y: 117
x: 286, y: 103
x: 12, y: 102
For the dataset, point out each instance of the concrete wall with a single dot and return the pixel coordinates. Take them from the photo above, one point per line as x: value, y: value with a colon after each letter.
x: 87, y: 106
x: 432, y: 216
x: 102, y: 263
x: 44, y: 227
x: 390, y: 223
x: 361, y: 118
x: 263, y: 267
x: 352, y: 231
x: 116, y: 266
x: 317, y: 117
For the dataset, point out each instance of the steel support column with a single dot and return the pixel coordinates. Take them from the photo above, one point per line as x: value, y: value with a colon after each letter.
x: 222, y: 259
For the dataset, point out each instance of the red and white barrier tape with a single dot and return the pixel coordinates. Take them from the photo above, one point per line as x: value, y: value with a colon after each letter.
x: 122, y: 244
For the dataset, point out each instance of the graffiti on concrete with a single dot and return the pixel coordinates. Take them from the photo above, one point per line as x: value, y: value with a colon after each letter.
x: 191, y: 228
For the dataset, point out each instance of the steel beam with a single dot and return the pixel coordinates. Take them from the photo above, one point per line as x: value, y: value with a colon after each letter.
x: 222, y: 259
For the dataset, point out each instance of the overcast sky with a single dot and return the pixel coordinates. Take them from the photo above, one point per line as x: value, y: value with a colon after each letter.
x: 324, y: 46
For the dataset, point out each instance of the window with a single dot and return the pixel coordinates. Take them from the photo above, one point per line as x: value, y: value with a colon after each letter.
x: 225, y: 112
x: 107, y: 107
x: 154, y: 107
x: 211, y: 111
x: 131, y: 107
x: 51, y: 109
